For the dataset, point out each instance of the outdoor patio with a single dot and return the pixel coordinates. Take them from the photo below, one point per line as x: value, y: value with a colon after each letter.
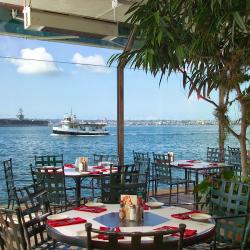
x: 152, y: 199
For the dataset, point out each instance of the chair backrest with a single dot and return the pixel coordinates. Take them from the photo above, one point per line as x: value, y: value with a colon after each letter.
x: 114, y: 185
x: 143, y: 159
x: 98, y: 158
x: 230, y: 198
x: 9, y: 180
x: 162, y: 168
x: 127, y: 171
x: 215, y: 155
x: 34, y: 209
x: 159, y: 241
x: 234, y: 158
x: 49, y: 160
x: 53, y: 180
x: 11, y: 232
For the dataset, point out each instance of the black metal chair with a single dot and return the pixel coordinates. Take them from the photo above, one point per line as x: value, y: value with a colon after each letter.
x: 34, y: 209
x: 234, y: 159
x: 11, y: 232
x: 159, y: 241
x: 115, y: 184
x: 99, y: 158
x: 48, y: 160
x: 163, y: 171
x: 53, y: 180
x: 215, y: 155
x: 10, y: 184
x: 144, y: 161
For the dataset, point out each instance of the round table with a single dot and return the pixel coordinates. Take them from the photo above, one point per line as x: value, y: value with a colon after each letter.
x: 79, y: 176
x: 75, y: 235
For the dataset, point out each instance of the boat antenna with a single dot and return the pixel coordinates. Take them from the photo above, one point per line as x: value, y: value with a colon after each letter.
x: 71, y: 114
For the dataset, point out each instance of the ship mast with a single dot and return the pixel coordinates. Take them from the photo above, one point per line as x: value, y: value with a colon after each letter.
x: 20, y: 115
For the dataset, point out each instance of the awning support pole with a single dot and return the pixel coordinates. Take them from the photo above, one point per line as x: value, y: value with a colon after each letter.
x: 120, y: 98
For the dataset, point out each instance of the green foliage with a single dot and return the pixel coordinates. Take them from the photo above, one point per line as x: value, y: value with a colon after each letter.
x: 204, y: 187
x: 207, y: 39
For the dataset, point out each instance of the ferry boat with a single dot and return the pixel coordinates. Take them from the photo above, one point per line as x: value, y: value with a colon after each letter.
x: 70, y: 125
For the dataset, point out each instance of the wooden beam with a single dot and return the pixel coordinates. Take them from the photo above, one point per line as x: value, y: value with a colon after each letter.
x: 120, y: 98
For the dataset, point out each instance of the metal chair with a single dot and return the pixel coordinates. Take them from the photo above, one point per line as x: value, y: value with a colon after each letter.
x: 48, y: 160
x: 93, y: 183
x: 11, y: 232
x: 10, y: 184
x: 159, y: 241
x: 215, y: 155
x: 99, y: 158
x: 163, y: 171
x: 34, y: 209
x: 144, y: 160
x: 229, y: 205
x: 115, y: 184
x: 234, y: 159
x: 53, y: 180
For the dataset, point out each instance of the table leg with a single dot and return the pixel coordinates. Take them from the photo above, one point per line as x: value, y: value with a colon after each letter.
x: 78, y: 191
x: 196, y: 193
x: 186, y: 178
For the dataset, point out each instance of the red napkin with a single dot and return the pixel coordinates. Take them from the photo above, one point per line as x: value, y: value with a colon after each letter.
x: 105, y: 237
x: 192, y: 161
x: 69, y: 165
x: 99, y: 167
x: 145, y: 207
x: 213, y: 164
x: 184, y: 216
x: 187, y: 233
x: 66, y: 222
x: 90, y: 209
x: 95, y: 172
x: 185, y: 165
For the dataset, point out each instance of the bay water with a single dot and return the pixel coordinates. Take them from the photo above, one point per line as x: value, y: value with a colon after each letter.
x: 23, y: 143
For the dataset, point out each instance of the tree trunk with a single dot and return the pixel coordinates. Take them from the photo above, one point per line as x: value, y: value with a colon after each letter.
x: 222, y: 136
x: 242, y: 139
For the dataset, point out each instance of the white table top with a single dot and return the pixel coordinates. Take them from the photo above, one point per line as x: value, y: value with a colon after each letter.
x: 79, y: 229
x: 71, y: 172
x: 197, y: 164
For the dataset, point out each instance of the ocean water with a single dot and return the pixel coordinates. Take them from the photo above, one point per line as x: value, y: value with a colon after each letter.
x: 22, y: 143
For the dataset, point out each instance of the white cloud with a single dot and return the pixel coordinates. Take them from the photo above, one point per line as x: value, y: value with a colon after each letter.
x: 35, y: 67
x: 97, y: 60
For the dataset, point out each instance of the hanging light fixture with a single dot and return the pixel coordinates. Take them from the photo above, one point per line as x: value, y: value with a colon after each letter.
x: 114, y: 6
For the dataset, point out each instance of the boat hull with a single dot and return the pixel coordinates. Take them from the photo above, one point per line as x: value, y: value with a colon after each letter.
x: 22, y: 123
x: 71, y: 132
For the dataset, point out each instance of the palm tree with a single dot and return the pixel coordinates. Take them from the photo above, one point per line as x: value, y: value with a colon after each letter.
x: 208, y: 42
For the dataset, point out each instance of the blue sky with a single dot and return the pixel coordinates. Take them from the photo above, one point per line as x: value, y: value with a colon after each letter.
x: 51, y: 90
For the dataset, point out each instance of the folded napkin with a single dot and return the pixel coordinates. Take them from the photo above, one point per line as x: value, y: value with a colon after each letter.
x: 91, y: 209
x: 184, y: 216
x: 192, y: 161
x: 69, y: 165
x: 99, y: 167
x: 66, y: 222
x: 213, y: 164
x: 187, y: 233
x: 95, y: 172
x: 105, y: 237
x: 185, y: 165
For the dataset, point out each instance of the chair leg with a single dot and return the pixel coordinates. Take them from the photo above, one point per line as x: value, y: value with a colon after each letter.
x: 170, y: 194
x: 177, y: 187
